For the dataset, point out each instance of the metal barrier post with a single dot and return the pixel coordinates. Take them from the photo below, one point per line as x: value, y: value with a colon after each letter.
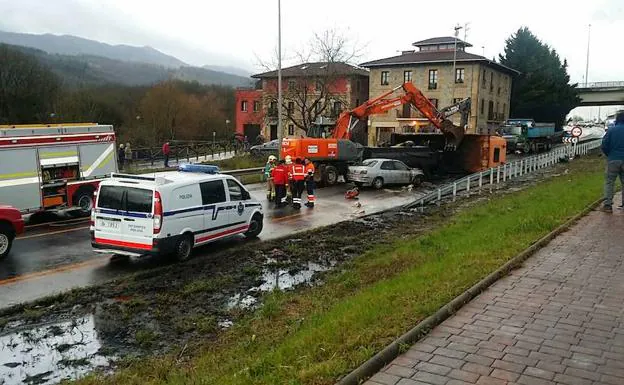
x: 491, y: 176
x: 504, y: 172
x: 454, y: 190
x: 439, y: 195
x: 498, y: 175
x: 468, y: 186
x: 480, y: 180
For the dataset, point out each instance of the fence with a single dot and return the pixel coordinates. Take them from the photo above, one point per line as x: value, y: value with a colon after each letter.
x: 505, y: 172
x: 617, y: 84
x: 188, y: 150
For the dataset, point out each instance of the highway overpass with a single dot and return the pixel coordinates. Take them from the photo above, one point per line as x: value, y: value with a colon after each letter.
x: 602, y: 93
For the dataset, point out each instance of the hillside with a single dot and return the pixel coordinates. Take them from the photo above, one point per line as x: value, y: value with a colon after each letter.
x: 73, y: 45
x: 85, y: 70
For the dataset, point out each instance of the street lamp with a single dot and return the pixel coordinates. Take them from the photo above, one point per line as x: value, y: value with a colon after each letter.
x: 279, y: 76
x: 457, y: 28
x: 587, y: 60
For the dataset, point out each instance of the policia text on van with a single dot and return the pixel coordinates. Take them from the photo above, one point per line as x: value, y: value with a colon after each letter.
x: 171, y: 212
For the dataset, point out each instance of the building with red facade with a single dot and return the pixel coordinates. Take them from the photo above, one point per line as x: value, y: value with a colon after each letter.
x: 313, y: 94
x: 249, y: 112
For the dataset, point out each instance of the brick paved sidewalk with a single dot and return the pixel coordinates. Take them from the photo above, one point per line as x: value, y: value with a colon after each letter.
x: 557, y: 320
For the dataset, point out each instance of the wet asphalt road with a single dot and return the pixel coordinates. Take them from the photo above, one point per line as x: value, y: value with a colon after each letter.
x: 51, y: 258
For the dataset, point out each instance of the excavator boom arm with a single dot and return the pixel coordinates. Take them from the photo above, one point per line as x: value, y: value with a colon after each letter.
x: 348, y: 119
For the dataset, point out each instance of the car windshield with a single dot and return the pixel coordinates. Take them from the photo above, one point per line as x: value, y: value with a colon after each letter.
x: 368, y: 163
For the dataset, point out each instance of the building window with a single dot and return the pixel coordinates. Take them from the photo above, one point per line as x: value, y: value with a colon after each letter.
x: 256, y: 106
x: 291, y: 129
x: 384, y: 78
x: 319, y: 85
x: 291, y: 84
x: 273, y: 109
x: 244, y: 106
x: 291, y: 108
x: 459, y: 75
x: 483, y: 81
x: 358, y: 85
x: 504, y: 110
x: 407, y: 76
x: 491, y: 81
x: 434, y: 102
x: 433, y: 79
x: 337, y: 108
x: 491, y: 110
x: 357, y: 102
x: 482, y: 107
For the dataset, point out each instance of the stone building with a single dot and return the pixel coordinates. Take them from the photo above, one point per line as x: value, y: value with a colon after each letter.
x: 320, y: 91
x: 430, y: 68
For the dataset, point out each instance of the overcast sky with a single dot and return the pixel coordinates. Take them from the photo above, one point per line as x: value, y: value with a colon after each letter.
x: 237, y: 32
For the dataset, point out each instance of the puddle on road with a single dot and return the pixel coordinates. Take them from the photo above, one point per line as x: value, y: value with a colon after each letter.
x: 51, y: 353
x: 273, y: 278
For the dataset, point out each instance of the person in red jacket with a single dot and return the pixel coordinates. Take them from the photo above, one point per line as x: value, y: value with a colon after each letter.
x: 166, y: 150
x: 279, y: 174
x: 297, y: 176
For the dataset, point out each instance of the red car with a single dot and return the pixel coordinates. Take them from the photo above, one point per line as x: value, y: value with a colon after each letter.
x: 11, y: 224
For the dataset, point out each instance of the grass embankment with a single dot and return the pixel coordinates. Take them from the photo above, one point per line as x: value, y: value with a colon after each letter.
x: 313, y: 336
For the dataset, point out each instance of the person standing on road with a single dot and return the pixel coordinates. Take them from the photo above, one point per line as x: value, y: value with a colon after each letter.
x: 297, y: 176
x: 289, y: 164
x: 166, y: 150
x: 280, y: 177
x: 613, y: 148
x: 309, y: 182
x: 121, y: 156
x: 128, y: 152
x: 268, y: 167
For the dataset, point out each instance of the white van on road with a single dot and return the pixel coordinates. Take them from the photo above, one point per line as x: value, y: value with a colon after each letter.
x: 171, y: 212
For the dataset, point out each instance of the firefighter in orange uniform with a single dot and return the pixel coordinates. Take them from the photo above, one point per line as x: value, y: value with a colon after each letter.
x: 309, y: 182
x: 297, y: 177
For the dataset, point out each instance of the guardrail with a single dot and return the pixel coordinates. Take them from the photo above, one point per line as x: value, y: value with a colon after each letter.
x: 601, y: 84
x: 505, y: 172
x: 244, y: 171
x: 188, y: 151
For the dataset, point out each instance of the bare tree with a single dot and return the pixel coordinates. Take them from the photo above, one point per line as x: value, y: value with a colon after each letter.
x: 313, y: 90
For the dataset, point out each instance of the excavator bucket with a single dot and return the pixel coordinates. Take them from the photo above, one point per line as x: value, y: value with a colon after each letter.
x: 453, y: 134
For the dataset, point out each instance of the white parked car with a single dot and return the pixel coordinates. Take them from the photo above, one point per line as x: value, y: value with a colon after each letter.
x: 381, y: 172
x: 171, y: 212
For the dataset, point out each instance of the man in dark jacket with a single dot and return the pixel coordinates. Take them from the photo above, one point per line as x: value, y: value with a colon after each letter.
x: 613, y: 148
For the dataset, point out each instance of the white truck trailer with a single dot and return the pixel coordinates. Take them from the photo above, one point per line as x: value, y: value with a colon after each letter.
x: 49, y: 167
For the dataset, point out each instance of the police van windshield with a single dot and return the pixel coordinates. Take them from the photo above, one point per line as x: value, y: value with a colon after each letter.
x: 125, y: 199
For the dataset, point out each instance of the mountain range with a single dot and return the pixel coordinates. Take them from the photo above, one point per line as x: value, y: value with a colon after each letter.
x: 80, y: 61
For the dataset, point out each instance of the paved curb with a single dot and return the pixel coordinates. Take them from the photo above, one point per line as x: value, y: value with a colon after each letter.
x: 390, y: 352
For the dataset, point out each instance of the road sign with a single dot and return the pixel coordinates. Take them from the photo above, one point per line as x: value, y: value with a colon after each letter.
x: 570, y: 140
x: 576, y: 131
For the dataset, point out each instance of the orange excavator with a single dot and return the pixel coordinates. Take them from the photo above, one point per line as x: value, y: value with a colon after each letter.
x: 332, y: 155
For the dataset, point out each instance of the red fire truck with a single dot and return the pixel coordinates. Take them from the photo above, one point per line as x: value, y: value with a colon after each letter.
x: 44, y: 167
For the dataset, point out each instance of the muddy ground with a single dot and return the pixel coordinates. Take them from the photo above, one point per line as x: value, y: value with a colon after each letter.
x: 166, y: 309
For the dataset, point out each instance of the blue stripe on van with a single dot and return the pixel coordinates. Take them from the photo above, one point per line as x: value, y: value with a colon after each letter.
x: 125, y: 213
x: 181, y: 211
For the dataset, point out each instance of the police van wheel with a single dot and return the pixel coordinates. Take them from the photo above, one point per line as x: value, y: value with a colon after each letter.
x: 255, y: 227
x: 184, y: 247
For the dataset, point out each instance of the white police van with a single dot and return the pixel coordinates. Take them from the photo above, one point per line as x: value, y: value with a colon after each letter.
x: 171, y: 212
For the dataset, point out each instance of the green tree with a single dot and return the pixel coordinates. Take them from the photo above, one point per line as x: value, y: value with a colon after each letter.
x: 28, y: 90
x: 542, y: 91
